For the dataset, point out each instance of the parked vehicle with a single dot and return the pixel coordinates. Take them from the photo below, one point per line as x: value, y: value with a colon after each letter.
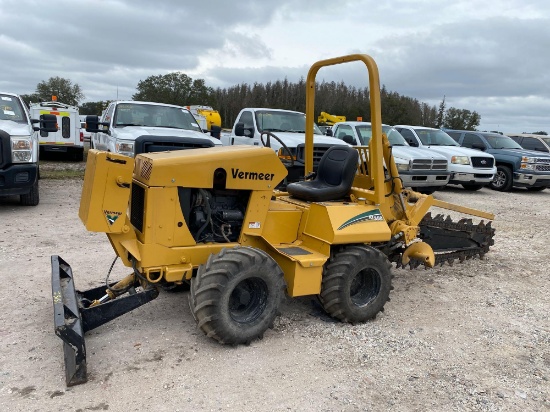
x: 469, y: 168
x: 19, y: 149
x: 327, y: 119
x: 67, y: 139
x: 85, y: 135
x: 125, y: 121
x: 539, y: 143
x: 206, y: 117
x: 422, y: 170
x: 516, y: 166
x: 283, y: 131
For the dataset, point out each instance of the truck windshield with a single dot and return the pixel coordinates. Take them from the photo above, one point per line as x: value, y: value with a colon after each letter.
x: 281, y: 121
x: 11, y: 109
x: 365, y: 133
x: 497, y: 141
x: 431, y: 137
x: 149, y: 115
x: 546, y: 140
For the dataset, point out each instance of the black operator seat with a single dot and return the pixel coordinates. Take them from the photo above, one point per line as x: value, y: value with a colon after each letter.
x: 334, y: 177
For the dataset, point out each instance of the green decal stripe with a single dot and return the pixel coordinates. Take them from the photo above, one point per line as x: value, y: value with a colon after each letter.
x: 359, y: 218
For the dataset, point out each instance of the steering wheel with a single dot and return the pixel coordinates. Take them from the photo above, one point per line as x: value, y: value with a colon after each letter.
x: 268, y: 144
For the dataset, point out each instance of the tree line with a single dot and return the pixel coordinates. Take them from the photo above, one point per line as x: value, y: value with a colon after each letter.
x: 332, y: 97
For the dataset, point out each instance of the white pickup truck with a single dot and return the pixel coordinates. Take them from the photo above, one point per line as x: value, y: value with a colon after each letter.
x: 253, y: 125
x: 19, y: 148
x: 125, y: 121
x: 422, y: 170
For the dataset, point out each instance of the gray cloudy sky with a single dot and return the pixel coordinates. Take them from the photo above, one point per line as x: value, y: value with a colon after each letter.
x: 489, y: 56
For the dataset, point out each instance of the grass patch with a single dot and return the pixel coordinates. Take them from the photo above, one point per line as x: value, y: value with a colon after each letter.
x: 57, y: 166
x: 57, y: 174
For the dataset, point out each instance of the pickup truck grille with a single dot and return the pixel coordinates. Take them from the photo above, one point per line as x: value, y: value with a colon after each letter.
x: 542, y: 168
x: 483, y: 162
x: 318, y: 152
x: 429, y: 164
x: 4, y: 149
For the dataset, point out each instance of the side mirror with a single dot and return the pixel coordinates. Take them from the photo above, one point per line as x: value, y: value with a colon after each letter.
x: 239, y: 129
x: 48, y: 123
x: 93, y: 123
x: 216, y: 132
x: 329, y: 132
x: 412, y: 142
x: 349, y: 139
x: 478, y: 146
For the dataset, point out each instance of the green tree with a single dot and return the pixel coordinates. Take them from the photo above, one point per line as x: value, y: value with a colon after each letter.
x: 543, y: 133
x: 440, y: 114
x: 91, y: 108
x: 174, y: 88
x: 64, y: 89
x: 30, y: 98
x: 461, y: 119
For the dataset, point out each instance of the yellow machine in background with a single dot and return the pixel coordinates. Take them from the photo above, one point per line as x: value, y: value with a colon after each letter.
x: 211, y: 218
x: 326, y: 119
x: 206, y: 116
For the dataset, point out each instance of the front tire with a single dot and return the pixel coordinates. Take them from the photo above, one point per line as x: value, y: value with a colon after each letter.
x: 428, y: 190
x: 471, y: 187
x: 502, y: 180
x: 356, y: 283
x: 32, y: 198
x: 236, y: 295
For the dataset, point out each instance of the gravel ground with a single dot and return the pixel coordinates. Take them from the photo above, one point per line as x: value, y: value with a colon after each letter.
x: 473, y: 336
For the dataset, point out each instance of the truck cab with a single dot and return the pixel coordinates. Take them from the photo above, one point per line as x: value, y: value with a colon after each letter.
x: 19, y: 149
x: 256, y: 127
x: 125, y: 121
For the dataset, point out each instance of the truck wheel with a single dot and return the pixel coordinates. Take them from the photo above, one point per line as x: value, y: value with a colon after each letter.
x: 502, y: 180
x: 32, y: 198
x: 236, y: 295
x: 471, y: 187
x: 356, y: 283
x: 78, y: 156
x: 428, y: 190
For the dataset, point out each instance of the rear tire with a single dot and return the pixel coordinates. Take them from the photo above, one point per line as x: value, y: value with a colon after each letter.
x: 32, y: 198
x: 503, y: 179
x: 356, y: 283
x: 236, y: 295
x: 471, y: 187
x: 78, y: 156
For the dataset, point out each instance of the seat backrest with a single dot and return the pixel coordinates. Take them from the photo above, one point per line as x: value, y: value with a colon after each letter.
x: 335, y: 175
x: 338, y: 164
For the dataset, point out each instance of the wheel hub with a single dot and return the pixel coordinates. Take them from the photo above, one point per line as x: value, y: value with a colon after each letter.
x: 365, y: 287
x: 248, y: 300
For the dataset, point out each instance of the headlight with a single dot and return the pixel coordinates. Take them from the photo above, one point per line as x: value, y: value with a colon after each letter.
x: 21, y: 149
x: 527, y: 166
x: 528, y: 163
x: 460, y: 160
x: 125, y: 148
x: 403, y: 166
x: 284, y: 155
